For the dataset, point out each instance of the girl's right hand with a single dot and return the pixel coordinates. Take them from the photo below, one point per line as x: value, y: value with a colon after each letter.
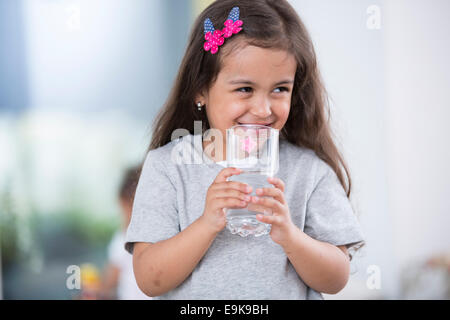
x: 224, y: 194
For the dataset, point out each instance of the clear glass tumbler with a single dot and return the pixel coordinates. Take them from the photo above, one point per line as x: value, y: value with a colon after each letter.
x: 254, y: 149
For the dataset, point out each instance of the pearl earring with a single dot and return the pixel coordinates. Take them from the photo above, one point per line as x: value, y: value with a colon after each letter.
x: 199, y: 105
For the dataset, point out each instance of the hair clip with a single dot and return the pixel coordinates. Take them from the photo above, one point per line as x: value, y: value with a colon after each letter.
x: 215, y: 38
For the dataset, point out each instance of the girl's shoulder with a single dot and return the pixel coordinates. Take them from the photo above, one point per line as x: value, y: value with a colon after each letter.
x: 160, y: 157
x: 173, y: 153
x: 294, y: 152
x: 301, y: 158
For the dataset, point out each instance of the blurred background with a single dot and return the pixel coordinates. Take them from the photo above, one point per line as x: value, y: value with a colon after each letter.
x: 82, y: 80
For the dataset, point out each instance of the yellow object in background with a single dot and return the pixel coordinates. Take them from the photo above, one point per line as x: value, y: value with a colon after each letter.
x: 90, y: 275
x: 90, y: 281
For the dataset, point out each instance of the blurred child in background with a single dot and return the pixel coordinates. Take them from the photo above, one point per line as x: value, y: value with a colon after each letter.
x: 118, y: 280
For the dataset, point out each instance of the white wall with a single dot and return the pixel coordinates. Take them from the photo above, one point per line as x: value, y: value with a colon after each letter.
x: 351, y: 61
x: 390, y: 106
x: 417, y: 85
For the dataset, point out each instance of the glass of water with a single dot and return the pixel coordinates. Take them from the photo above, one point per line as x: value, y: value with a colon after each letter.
x: 254, y: 149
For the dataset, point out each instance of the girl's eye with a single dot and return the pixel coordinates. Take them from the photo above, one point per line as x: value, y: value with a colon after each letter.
x: 245, y: 88
x: 248, y: 89
x: 283, y: 89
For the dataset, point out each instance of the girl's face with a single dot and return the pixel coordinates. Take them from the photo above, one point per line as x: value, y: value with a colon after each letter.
x: 254, y: 86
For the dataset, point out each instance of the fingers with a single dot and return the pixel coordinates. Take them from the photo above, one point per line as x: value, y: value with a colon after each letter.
x: 229, y: 203
x: 276, y: 193
x: 277, y: 182
x: 271, y: 203
x: 226, y: 173
x: 231, y: 193
x: 275, y: 220
x: 233, y: 185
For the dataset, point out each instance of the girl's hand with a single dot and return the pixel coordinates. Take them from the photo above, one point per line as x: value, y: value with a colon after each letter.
x: 224, y: 194
x: 280, y: 219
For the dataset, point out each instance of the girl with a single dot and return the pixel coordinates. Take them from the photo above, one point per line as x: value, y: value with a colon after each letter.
x: 260, y: 68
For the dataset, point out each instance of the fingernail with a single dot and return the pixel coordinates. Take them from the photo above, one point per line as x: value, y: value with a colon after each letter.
x: 255, y: 199
x: 247, y: 198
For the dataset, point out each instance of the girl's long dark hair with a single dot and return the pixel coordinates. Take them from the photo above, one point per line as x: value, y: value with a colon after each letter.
x: 267, y: 24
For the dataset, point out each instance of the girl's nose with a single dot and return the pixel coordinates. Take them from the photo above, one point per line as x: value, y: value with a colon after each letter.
x: 261, y: 108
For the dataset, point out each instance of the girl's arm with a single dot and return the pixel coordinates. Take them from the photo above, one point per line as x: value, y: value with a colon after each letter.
x: 321, y: 265
x: 162, y: 266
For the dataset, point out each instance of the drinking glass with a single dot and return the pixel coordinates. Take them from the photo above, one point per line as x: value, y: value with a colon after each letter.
x: 254, y: 149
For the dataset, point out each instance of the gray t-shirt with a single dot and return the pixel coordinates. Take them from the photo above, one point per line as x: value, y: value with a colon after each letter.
x: 171, y: 195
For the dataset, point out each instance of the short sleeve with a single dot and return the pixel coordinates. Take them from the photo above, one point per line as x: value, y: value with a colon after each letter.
x: 155, y: 214
x: 329, y: 214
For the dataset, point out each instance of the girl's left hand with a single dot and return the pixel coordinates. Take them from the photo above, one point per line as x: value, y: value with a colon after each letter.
x: 280, y: 219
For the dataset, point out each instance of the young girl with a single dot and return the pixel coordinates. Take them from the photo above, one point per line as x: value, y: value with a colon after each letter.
x: 260, y: 67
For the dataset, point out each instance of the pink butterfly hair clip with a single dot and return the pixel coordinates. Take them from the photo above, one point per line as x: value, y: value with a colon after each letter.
x: 215, y: 38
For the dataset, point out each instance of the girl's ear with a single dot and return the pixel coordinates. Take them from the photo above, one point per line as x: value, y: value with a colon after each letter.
x: 201, y: 97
